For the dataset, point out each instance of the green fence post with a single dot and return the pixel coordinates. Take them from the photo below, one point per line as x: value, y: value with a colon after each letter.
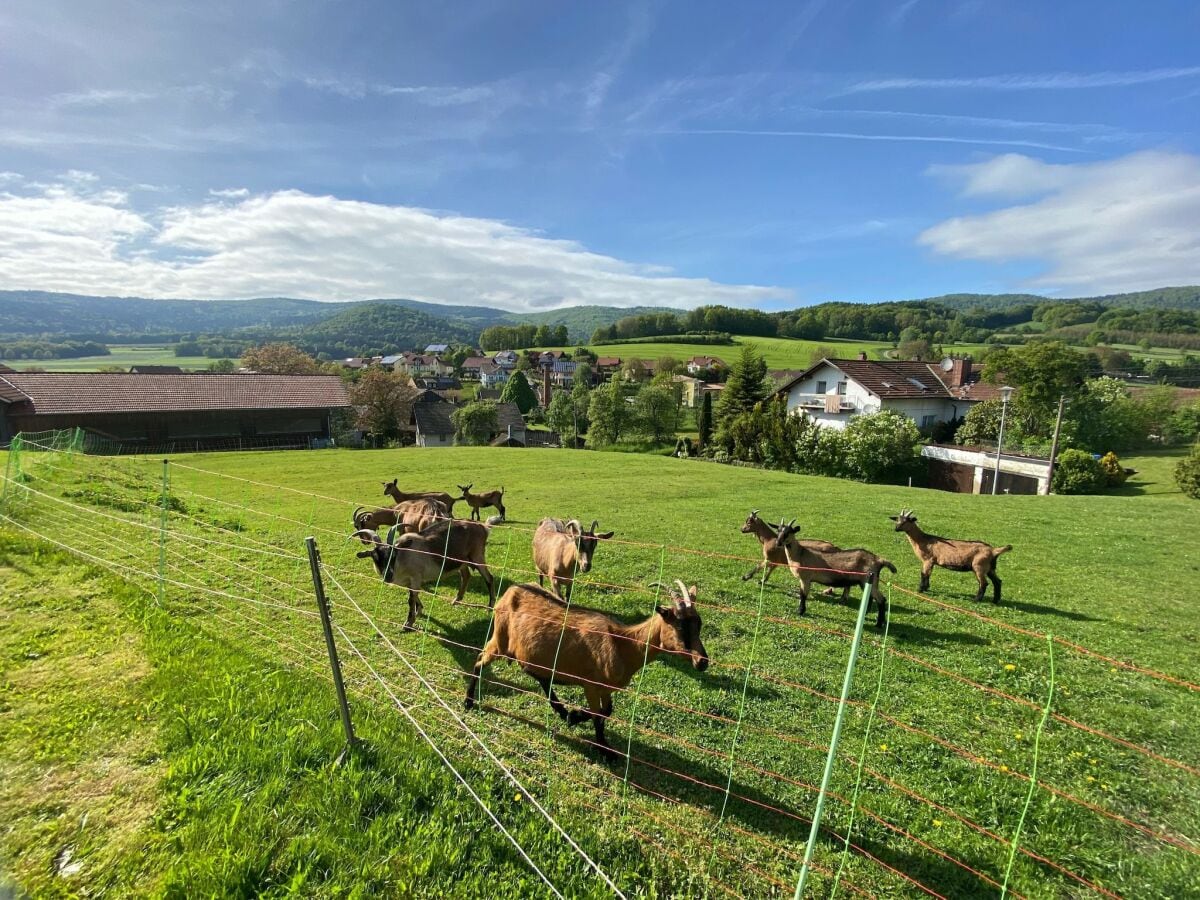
x: 831, y: 757
x: 162, y: 534
x: 8, y: 465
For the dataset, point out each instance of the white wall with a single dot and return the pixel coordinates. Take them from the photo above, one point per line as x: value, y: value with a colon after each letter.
x: 861, y: 400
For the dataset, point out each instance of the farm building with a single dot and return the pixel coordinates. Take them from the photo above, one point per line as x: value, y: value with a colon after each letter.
x: 835, y: 390
x: 434, y: 427
x: 190, y: 410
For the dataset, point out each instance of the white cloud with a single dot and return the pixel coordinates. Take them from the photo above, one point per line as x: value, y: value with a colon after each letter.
x: 1050, y: 81
x: 73, y: 238
x: 230, y: 193
x: 1122, y: 224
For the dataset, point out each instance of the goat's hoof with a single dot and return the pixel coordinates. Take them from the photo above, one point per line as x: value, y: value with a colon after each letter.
x: 409, y: 626
x: 469, y: 703
x: 577, y: 717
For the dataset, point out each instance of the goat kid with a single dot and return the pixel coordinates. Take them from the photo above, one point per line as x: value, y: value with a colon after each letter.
x: 957, y: 556
x: 398, y: 496
x: 562, y: 548
x: 482, y: 501
x: 840, y: 568
x: 586, y: 648
x: 413, y: 560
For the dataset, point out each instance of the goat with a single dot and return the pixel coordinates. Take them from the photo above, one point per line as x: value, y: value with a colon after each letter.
x: 391, y: 490
x: 482, y: 501
x: 839, y: 568
x: 414, y: 559
x: 560, y: 548
x: 772, y: 559
x: 957, y: 556
x: 586, y: 648
x: 412, y: 515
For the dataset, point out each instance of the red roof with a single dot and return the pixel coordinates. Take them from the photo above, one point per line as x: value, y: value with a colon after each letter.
x: 55, y: 393
x: 608, y: 361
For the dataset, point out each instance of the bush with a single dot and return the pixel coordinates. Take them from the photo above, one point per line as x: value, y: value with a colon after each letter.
x: 1187, y: 474
x: 1078, y: 472
x: 881, y: 444
x: 1114, y: 472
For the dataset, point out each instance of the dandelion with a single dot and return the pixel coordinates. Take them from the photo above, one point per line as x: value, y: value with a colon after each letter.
x: 517, y: 798
x: 1009, y: 667
x: 883, y: 747
x: 1113, y: 670
x: 1020, y: 736
x: 1094, y: 761
x: 1090, y: 778
x: 937, y: 823
x: 1004, y: 768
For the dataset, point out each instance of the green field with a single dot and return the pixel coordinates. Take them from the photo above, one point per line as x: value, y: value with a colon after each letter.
x: 780, y: 353
x: 191, y: 748
x: 123, y: 355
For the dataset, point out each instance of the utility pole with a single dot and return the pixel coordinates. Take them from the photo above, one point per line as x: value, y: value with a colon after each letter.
x: 1054, y: 444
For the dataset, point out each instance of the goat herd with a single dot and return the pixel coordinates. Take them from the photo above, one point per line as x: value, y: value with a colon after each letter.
x: 554, y: 641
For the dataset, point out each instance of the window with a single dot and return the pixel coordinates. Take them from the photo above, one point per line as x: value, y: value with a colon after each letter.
x: 841, y: 388
x: 928, y: 421
x: 822, y: 387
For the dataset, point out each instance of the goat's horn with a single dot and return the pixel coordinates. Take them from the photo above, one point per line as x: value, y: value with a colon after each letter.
x: 365, y: 531
x: 595, y: 522
x: 684, y: 597
x: 754, y: 512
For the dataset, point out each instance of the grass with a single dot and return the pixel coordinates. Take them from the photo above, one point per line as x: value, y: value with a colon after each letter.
x: 780, y: 353
x: 124, y: 355
x: 232, y: 685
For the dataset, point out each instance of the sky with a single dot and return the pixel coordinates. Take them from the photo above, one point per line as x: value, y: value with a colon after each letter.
x: 534, y: 155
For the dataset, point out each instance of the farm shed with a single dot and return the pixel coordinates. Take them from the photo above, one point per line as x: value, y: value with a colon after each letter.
x: 189, y: 411
x: 967, y: 470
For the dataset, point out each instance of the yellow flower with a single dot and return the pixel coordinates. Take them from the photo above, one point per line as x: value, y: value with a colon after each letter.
x: 937, y: 823
x: 883, y: 747
x: 1113, y: 671
x: 1090, y: 778
x: 1004, y: 768
x: 1093, y: 761
x: 517, y: 798
x: 1009, y: 667
x: 1019, y: 736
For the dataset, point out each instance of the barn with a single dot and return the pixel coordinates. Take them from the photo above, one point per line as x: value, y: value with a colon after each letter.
x: 174, y: 411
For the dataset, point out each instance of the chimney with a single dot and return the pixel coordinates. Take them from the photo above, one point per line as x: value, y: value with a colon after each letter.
x: 546, y: 387
x: 862, y: 355
x: 960, y: 371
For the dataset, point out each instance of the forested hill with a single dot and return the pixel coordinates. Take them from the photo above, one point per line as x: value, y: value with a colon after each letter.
x: 46, y: 314
x: 1187, y: 298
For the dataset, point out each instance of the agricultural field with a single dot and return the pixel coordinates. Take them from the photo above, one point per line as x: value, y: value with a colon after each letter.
x: 195, y: 744
x: 780, y: 353
x: 123, y: 355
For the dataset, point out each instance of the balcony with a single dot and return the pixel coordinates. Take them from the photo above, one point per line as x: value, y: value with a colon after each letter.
x: 822, y: 402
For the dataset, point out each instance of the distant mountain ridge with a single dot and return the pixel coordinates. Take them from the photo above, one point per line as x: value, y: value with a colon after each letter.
x: 387, y: 323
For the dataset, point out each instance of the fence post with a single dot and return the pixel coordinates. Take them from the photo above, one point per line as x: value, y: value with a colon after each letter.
x: 13, y: 449
x: 162, y: 533
x: 314, y: 563
x: 831, y: 757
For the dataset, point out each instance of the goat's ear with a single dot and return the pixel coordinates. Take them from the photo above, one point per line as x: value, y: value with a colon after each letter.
x: 692, y: 588
x: 668, y: 613
x: 363, y: 554
x: 894, y: 518
x: 605, y: 535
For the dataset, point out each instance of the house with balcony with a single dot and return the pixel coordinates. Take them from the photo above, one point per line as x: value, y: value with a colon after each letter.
x: 698, y: 364
x: 833, y: 391
x: 492, y: 375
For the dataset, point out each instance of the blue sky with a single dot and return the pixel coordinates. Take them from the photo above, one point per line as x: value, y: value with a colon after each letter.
x: 532, y: 155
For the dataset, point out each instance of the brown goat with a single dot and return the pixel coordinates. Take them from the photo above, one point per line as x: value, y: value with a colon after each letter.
x: 562, y: 548
x: 586, y: 648
x: 957, y: 556
x: 840, y: 568
x: 391, y: 490
x: 482, y: 501
x: 773, y: 559
x: 413, y: 560
x: 412, y: 515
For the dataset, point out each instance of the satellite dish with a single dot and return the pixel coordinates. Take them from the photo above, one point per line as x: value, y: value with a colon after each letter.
x: 947, y: 364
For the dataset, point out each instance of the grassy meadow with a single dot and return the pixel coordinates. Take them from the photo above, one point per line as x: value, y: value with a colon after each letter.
x: 123, y: 355
x: 195, y: 745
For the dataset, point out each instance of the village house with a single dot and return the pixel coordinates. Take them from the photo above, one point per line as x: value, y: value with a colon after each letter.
x: 606, y: 367
x: 698, y: 364
x: 690, y: 392
x: 505, y: 359
x: 833, y: 391
x: 473, y: 365
x: 422, y: 365
x: 491, y: 375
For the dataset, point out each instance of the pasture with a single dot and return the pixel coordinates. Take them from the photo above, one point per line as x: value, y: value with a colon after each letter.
x: 123, y: 355
x: 218, y: 707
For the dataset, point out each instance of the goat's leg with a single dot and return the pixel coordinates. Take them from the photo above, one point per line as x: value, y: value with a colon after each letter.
x: 995, y: 585
x: 980, y: 576
x: 490, y: 580
x: 463, y: 578
x: 555, y: 704
x: 803, y: 597
x: 503, y: 514
x: 757, y: 568
x: 489, y: 652
x: 881, y: 605
x: 414, y: 609
x: 597, y: 703
x: 926, y: 570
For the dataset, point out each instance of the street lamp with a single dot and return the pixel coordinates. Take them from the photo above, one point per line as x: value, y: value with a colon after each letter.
x: 1005, y: 393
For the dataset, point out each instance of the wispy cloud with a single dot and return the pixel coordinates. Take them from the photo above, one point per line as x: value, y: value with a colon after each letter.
x: 430, y: 95
x: 861, y: 136
x: 1053, y: 81
x: 76, y: 237
x: 1085, y: 128
x: 230, y: 193
x: 1116, y: 225
x: 637, y: 30
x: 101, y: 97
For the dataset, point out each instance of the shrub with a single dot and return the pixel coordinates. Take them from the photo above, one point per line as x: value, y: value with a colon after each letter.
x: 1187, y: 474
x: 1184, y: 425
x: 1078, y: 472
x: 881, y: 444
x: 1114, y: 472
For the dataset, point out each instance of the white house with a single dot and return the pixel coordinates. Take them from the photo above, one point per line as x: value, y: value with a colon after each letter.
x: 835, y: 390
x: 491, y: 375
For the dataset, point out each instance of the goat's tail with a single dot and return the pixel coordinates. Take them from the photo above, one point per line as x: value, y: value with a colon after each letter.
x: 886, y: 564
x: 996, y: 551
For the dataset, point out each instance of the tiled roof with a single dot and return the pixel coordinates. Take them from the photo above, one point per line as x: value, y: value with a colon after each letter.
x: 888, y: 380
x: 96, y: 392
x: 509, y: 414
x: 977, y: 390
x: 608, y: 361
x: 433, y: 418
x: 156, y: 370
x: 476, y: 362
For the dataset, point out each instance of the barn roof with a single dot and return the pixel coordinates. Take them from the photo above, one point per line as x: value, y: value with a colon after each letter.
x: 57, y: 393
x: 433, y: 418
x: 890, y: 380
